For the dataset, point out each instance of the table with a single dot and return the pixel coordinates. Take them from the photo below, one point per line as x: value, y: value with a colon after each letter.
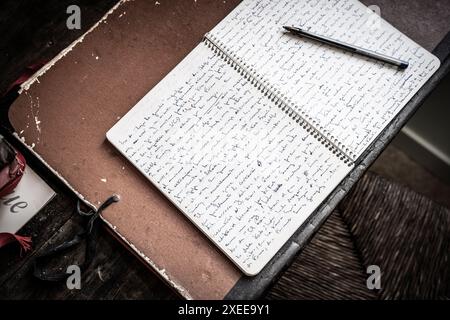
x: 116, y: 273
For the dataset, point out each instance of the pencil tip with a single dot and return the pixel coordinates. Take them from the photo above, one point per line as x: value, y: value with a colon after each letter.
x: 404, y: 65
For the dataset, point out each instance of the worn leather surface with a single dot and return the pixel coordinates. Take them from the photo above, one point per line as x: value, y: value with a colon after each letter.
x: 67, y: 113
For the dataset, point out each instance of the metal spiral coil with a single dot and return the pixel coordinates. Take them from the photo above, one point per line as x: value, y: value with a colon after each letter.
x: 276, y: 96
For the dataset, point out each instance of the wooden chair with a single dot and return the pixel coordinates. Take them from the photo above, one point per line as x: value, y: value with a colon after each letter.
x: 379, y: 223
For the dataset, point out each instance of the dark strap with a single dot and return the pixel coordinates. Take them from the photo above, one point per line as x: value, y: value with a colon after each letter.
x: 89, y: 233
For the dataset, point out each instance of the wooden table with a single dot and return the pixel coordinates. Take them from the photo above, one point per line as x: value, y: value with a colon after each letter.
x: 116, y: 273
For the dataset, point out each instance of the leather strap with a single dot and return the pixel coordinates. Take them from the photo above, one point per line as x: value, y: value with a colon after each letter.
x: 89, y: 234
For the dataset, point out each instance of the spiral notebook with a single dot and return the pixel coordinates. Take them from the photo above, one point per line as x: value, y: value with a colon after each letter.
x: 250, y: 133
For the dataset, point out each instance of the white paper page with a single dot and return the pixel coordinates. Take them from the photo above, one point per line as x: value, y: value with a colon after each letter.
x: 245, y: 173
x: 30, y: 195
x: 350, y: 97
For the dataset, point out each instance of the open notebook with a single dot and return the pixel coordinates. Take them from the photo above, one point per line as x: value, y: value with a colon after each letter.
x: 249, y: 134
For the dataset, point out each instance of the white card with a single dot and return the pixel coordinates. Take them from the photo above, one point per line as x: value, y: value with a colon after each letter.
x: 30, y: 195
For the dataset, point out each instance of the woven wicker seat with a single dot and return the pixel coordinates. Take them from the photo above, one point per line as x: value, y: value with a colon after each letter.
x: 379, y: 223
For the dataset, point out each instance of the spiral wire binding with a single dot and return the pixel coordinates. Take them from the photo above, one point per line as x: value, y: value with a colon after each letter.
x: 311, y: 126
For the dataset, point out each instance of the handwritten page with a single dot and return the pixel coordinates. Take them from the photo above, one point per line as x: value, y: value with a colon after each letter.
x: 348, y: 97
x: 242, y: 170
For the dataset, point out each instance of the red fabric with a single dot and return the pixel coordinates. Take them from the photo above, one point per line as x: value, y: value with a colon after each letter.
x: 15, y: 173
x: 10, y: 176
x: 24, y: 242
x: 27, y: 73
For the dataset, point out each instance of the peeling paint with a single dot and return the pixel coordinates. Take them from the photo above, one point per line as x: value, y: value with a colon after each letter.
x: 34, y: 110
x: 161, y: 272
x: 21, y: 139
x: 26, y: 85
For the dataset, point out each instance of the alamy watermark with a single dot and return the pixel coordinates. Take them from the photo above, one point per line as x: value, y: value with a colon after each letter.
x: 74, y: 19
x: 74, y: 279
x: 374, y: 280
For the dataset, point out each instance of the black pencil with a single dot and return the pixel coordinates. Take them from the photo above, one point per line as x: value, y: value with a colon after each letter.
x: 368, y: 53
